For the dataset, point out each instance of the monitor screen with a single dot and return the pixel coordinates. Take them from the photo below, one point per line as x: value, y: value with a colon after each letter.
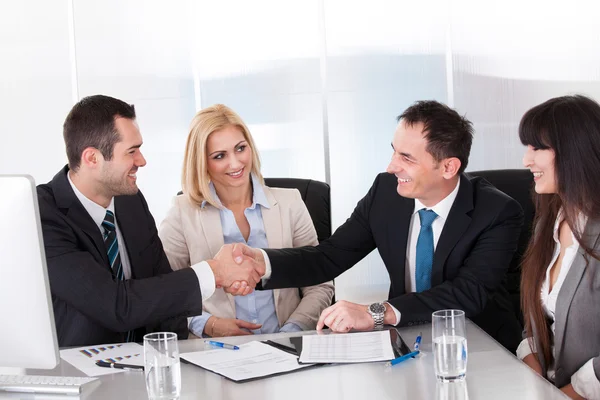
x: 27, y: 333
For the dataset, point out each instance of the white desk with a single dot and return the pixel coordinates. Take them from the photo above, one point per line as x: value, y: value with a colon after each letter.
x: 492, y: 373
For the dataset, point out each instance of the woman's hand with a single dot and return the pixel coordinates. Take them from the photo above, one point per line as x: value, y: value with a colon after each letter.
x: 219, y: 327
x: 533, y: 363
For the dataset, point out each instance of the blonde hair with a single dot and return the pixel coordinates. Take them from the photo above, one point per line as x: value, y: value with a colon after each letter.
x: 195, y: 178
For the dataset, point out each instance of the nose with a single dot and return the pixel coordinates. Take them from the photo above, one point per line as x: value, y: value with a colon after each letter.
x: 234, y: 163
x: 394, y: 166
x: 140, y: 161
x: 528, y: 157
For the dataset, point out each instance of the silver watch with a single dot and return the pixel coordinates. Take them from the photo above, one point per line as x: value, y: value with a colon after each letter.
x: 377, y: 311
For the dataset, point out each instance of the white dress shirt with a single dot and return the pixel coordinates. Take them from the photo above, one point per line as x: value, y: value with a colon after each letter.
x: 442, y: 209
x: 584, y: 381
x: 206, y: 278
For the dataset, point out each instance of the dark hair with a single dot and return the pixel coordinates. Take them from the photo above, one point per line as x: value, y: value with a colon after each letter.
x: 447, y: 133
x: 91, y: 123
x: 570, y: 126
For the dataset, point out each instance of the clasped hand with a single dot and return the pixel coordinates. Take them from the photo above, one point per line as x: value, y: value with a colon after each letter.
x: 237, y: 268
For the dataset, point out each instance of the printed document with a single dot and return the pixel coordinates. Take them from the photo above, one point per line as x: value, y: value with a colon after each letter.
x: 84, y: 358
x: 347, y: 347
x: 252, y: 360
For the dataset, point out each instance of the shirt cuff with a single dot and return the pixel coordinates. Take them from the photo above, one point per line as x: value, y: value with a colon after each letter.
x: 198, y: 323
x: 268, y: 271
x: 290, y: 327
x: 396, y: 313
x: 206, y: 279
x: 585, y: 383
x: 524, y: 350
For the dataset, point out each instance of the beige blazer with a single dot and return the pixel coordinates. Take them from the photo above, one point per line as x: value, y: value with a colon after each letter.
x: 191, y: 234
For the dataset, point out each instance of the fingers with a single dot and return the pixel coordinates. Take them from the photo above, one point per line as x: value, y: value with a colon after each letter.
x: 246, y: 324
x: 324, y: 315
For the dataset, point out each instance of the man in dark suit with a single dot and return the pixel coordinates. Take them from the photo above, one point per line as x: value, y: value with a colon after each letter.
x: 446, y: 239
x: 109, y: 276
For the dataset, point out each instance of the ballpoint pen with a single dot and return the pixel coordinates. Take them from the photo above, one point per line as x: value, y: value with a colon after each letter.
x: 418, y: 341
x: 119, y: 365
x: 402, y: 358
x: 223, y: 345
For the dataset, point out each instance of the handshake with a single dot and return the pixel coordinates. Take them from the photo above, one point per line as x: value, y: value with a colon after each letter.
x: 238, y: 268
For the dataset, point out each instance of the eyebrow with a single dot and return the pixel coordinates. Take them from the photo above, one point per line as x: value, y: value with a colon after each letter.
x: 221, y: 151
x: 136, y: 146
x: 407, y: 155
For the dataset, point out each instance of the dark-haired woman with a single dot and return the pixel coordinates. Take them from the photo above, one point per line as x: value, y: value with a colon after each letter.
x: 560, y: 286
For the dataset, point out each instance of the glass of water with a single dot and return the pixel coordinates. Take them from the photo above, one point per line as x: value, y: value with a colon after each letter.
x: 161, y: 366
x: 449, y: 345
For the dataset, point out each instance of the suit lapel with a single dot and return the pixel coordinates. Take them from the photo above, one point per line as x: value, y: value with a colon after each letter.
x: 570, y: 284
x: 210, y: 219
x: 455, y: 226
x: 74, y: 210
x: 273, y: 230
x: 400, y: 214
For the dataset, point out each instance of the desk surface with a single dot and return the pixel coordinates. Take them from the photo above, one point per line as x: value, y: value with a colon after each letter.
x: 492, y: 373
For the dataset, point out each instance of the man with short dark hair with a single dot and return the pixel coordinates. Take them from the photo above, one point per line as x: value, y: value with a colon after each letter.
x: 109, y: 276
x: 446, y: 239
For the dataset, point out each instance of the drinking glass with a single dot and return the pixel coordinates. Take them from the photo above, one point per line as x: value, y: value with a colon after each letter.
x: 449, y: 345
x: 162, y: 366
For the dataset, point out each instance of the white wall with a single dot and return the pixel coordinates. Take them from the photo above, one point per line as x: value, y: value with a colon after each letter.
x: 319, y: 82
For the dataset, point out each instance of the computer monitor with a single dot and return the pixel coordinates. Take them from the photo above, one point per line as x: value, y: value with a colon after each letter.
x: 27, y: 330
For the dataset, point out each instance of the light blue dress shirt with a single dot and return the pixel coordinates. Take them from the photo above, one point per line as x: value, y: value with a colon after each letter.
x: 259, y: 306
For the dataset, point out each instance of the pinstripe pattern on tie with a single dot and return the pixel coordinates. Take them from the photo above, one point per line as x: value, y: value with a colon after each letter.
x: 114, y: 258
x: 424, y: 262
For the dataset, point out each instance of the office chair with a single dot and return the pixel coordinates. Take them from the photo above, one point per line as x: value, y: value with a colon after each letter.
x: 518, y: 184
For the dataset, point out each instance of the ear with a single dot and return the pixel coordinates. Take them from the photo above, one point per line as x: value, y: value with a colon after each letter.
x: 91, y: 158
x: 450, y: 167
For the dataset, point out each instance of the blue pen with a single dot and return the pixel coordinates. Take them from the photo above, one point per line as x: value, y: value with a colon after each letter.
x: 418, y: 341
x: 223, y: 345
x: 402, y: 358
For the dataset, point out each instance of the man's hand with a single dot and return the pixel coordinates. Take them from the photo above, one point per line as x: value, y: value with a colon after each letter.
x: 220, y: 327
x: 237, y: 277
x: 242, y: 253
x: 343, y: 316
x: 569, y: 391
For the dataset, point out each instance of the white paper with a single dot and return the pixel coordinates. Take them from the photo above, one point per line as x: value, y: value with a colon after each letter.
x: 84, y: 358
x: 347, y: 347
x: 252, y: 360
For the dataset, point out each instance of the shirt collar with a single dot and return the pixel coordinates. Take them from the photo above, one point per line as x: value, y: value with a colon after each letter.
x: 258, y: 194
x: 581, y: 220
x: 96, y: 211
x: 442, y: 209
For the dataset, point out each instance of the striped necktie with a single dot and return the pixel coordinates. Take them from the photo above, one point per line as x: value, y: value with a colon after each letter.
x: 114, y: 258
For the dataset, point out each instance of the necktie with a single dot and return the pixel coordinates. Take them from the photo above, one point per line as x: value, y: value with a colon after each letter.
x: 112, y: 246
x: 114, y: 259
x: 425, y: 250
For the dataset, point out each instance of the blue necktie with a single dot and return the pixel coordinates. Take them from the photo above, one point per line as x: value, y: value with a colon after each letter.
x: 425, y: 250
x: 114, y: 259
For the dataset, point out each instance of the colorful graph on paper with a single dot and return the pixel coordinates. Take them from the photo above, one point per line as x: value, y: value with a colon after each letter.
x: 84, y: 358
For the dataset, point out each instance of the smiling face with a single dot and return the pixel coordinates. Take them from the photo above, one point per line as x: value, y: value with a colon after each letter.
x: 541, y: 163
x: 118, y: 175
x: 229, y: 158
x: 419, y: 175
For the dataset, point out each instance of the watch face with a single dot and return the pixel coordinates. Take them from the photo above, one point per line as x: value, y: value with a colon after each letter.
x: 377, y: 308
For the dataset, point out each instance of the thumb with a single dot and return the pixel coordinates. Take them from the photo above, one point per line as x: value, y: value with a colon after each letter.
x: 245, y: 324
x: 237, y: 253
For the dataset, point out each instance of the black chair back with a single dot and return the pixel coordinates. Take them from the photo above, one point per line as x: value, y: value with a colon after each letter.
x: 518, y: 184
x: 317, y: 197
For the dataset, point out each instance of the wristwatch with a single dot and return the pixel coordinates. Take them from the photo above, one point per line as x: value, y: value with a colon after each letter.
x: 377, y: 311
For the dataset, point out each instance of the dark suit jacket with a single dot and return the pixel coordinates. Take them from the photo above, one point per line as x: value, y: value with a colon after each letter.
x: 470, y: 262
x: 90, y: 307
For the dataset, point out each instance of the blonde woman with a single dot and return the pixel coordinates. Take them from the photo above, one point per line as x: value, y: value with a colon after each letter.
x: 225, y: 201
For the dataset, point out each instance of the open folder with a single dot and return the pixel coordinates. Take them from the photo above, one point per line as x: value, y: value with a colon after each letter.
x: 257, y: 360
